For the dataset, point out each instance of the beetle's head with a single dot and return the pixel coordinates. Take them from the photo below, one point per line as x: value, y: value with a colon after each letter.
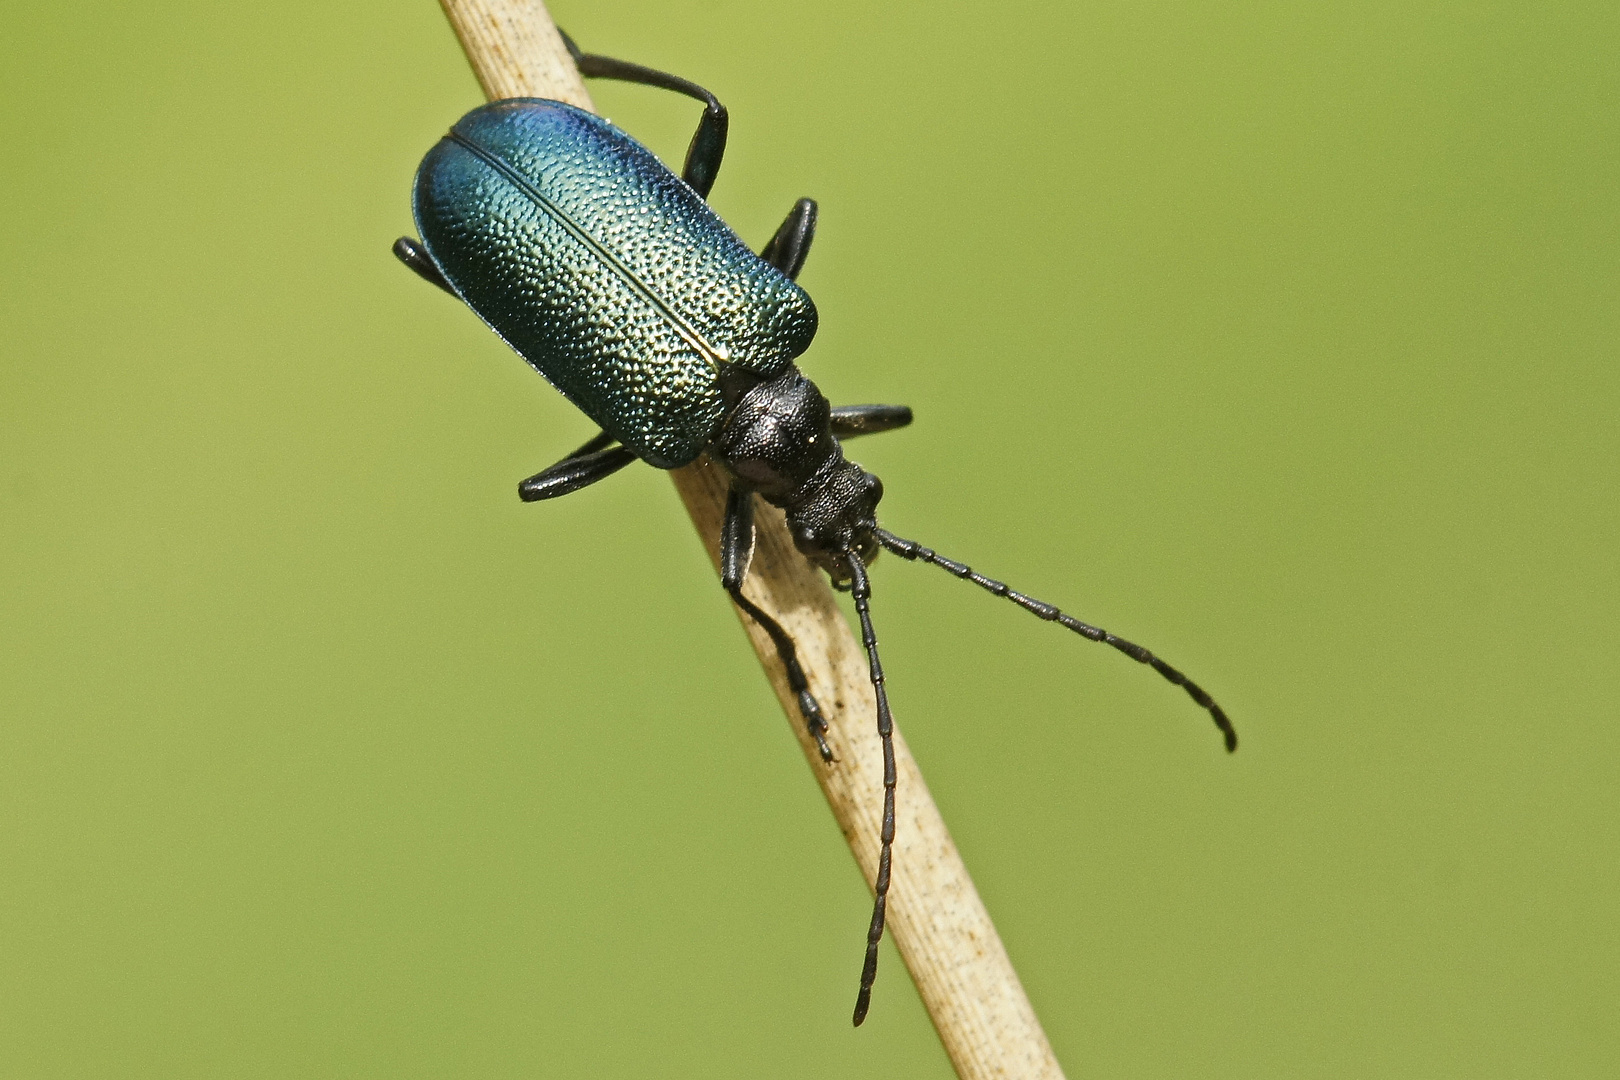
x: 836, y: 518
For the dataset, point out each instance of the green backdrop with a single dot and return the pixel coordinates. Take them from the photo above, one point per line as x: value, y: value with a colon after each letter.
x: 1279, y: 337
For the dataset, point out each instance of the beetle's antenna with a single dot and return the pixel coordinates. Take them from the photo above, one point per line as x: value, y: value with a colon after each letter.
x: 861, y: 591
x: 910, y: 549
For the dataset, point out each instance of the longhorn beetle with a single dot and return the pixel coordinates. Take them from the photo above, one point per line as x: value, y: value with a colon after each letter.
x: 612, y: 277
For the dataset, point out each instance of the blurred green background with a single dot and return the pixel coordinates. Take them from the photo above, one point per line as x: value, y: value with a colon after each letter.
x: 1279, y: 337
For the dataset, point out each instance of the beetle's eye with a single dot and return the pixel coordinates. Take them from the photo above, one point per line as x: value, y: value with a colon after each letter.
x: 874, y: 487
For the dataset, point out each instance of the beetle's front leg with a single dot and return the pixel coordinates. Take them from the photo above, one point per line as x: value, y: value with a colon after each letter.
x: 736, y: 550
x: 849, y: 421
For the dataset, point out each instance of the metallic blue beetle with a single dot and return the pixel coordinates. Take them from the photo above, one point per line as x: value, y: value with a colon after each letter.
x: 615, y: 280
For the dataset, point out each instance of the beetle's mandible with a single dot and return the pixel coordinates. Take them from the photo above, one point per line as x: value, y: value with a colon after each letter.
x: 614, y: 279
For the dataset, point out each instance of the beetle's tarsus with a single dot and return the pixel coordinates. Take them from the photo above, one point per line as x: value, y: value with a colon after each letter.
x: 815, y: 724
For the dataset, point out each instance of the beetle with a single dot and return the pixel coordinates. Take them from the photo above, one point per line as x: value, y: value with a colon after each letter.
x: 613, y: 278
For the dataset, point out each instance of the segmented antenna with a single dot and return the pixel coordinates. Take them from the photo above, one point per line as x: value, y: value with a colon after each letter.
x: 910, y: 549
x: 861, y: 591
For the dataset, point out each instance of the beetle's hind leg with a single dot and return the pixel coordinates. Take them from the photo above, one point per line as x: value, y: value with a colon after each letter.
x: 736, y: 549
x: 849, y: 421
x: 411, y: 252
x: 791, y: 244
x: 596, y: 460
x: 708, y: 144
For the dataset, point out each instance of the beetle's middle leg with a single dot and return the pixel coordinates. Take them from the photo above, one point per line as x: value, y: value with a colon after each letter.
x: 708, y: 144
x: 736, y: 549
x: 791, y: 243
x: 592, y: 462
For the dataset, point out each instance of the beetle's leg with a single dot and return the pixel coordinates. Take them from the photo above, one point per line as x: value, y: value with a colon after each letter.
x: 600, y: 441
x: 579, y: 469
x: 849, y: 421
x: 791, y: 244
x: 414, y: 255
x: 736, y: 549
x: 708, y: 142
